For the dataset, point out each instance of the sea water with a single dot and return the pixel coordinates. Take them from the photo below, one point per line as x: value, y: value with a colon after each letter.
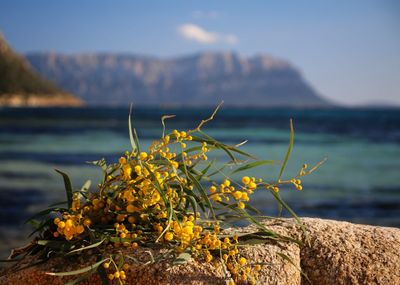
x: 359, y: 182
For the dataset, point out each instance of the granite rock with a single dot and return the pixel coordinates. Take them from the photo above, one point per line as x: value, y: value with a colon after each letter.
x: 330, y: 252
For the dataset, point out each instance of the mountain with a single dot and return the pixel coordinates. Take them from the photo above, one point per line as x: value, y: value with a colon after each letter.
x: 21, y: 86
x: 200, y: 79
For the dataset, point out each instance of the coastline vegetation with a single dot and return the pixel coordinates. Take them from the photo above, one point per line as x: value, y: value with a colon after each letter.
x: 20, y: 85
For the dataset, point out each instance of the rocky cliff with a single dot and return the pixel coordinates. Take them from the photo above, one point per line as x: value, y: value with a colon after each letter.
x: 200, y: 79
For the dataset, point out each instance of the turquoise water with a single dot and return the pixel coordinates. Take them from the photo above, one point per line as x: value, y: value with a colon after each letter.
x: 359, y: 182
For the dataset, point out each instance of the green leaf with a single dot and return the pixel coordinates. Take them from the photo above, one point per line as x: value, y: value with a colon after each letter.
x: 182, y: 258
x: 287, y: 258
x: 68, y: 187
x: 101, y: 163
x: 280, y: 207
x: 193, y: 202
x: 238, y: 234
x: 86, y: 186
x: 197, y: 199
x: 234, y: 149
x: 253, y: 241
x: 163, y: 118
x: 86, y: 247
x: 290, y: 147
x: 122, y: 240
x: 315, y: 167
x: 83, y: 277
x: 252, y: 165
x: 45, y: 212
x: 39, y: 226
x: 217, y: 144
x: 134, y: 147
x: 192, y: 149
x: 202, y: 193
x: 205, y: 170
x: 54, y: 244
x: 219, y: 170
x: 235, y: 206
x: 281, y: 202
x: 251, y: 208
x: 200, y: 175
x: 212, y: 141
x: 171, y: 213
x: 136, y: 138
x: 157, y: 185
x: 79, y: 271
x: 256, y: 223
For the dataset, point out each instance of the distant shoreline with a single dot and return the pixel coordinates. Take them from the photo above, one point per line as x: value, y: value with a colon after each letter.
x: 38, y: 100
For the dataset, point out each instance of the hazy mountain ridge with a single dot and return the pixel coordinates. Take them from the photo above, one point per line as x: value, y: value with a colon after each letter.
x: 200, y: 79
x: 21, y: 86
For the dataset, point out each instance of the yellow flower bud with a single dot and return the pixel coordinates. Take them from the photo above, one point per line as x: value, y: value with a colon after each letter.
x: 130, y: 208
x: 246, y: 180
x: 122, y: 160
x: 242, y: 261
x: 169, y: 236
x: 237, y: 195
x: 87, y: 222
x: 252, y: 185
x: 143, y: 155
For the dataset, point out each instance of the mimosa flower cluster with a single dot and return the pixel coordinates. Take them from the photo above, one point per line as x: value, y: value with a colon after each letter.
x: 145, y: 197
x: 167, y: 195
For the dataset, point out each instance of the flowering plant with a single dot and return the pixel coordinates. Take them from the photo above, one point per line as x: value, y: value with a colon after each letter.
x: 164, y: 196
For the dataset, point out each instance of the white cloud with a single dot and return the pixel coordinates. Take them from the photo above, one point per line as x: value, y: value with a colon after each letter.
x: 198, y: 34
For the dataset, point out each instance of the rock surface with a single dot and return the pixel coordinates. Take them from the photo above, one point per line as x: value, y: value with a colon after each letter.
x: 345, y: 253
x: 332, y: 252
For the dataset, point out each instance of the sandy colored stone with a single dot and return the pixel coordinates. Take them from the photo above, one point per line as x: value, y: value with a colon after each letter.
x: 280, y: 272
x: 345, y: 253
x: 331, y: 252
x: 163, y: 273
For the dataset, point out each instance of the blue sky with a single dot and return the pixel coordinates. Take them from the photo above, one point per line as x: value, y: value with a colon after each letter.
x: 348, y: 50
